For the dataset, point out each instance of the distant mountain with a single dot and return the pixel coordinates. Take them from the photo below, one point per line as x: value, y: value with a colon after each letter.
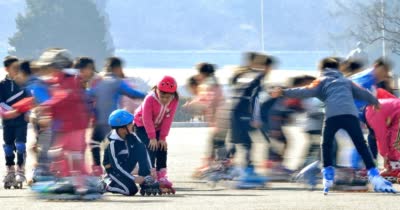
x: 206, y: 24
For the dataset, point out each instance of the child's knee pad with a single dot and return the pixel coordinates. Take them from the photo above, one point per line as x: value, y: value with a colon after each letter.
x: 21, y: 148
x: 8, y: 149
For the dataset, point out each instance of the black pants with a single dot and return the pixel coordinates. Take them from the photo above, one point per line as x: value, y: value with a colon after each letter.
x: 120, y: 183
x: 351, y: 125
x: 372, y: 143
x: 15, y: 141
x: 274, y: 153
x: 100, y: 132
x: 158, y: 158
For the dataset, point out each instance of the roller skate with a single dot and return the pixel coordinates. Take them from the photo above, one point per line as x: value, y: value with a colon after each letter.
x: 391, y: 172
x: 9, y: 178
x: 309, y: 175
x: 220, y: 170
x: 349, y: 180
x: 250, y: 179
x: 62, y: 189
x: 150, y: 187
x: 40, y: 175
x: 165, y: 184
x: 328, y: 174
x: 65, y: 189
x: 379, y: 183
x: 200, y: 171
x: 20, y: 177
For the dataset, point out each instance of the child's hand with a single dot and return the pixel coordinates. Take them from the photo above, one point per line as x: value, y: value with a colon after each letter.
x: 377, y: 107
x: 139, y: 180
x: 10, y: 114
x: 256, y: 124
x: 163, y: 145
x: 153, y: 145
x: 276, y: 92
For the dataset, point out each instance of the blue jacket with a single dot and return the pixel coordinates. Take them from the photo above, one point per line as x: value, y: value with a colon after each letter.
x: 336, y: 91
x: 367, y: 80
x: 38, y: 89
x: 107, y: 93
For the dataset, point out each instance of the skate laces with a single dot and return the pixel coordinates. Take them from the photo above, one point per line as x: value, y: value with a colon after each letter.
x: 149, y: 180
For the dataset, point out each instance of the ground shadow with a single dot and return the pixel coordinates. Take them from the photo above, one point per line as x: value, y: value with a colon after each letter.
x: 223, y: 195
x: 190, y: 189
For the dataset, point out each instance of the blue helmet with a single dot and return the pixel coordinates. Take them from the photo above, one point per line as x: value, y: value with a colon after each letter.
x: 120, y: 118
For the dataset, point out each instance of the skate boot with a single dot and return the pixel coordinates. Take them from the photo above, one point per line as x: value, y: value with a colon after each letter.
x: 379, y: 183
x: 39, y: 174
x: 328, y: 174
x: 62, y: 189
x: 94, y: 189
x: 9, y: 178
x: 309, y: 175
x: 200, y: 171
x: 97, y: 170
x: 165, y: 184
x: 20, y: 177
x: 250, y: 179
x: 391, y: 173
x: 150, y: 187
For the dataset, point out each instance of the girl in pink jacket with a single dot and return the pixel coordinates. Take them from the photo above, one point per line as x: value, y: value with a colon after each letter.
x: 153, y: 121
x: 386, y: 122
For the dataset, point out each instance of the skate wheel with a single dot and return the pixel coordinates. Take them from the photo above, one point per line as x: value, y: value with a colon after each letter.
x: 148, y: 193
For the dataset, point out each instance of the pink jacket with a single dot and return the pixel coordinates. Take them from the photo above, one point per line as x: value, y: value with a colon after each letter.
x: 385, y: 123
x: 155, y: 117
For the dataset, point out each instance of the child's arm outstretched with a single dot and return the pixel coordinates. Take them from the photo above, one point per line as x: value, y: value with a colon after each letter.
x: 364, y: 95
x: 309, y: 91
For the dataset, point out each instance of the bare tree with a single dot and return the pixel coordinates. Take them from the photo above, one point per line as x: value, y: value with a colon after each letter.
x: 367, y: 19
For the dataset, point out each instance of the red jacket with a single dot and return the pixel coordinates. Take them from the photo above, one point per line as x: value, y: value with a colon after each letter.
x: 70, y: 112
x: 156, y: 117
x: 385, y: 123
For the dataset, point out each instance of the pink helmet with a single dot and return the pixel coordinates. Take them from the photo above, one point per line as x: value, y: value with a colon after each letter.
x: 167, y: 84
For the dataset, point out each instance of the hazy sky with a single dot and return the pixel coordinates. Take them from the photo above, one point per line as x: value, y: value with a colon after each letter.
x: 297, y: 24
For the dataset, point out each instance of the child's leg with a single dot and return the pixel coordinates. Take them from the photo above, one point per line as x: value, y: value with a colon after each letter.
x: 352, y: 125
x: 20, y: 145
x: 161, y: 159
x: 45, y: 140
x: 141, y: 133
x: 332, y: 125
x: 121, y: 184
x: 248, y: 146
x: 99, y: 133
x: 9, y: 144
x: 372, y: 143
x: 140, y: 156
x: 314, y: 151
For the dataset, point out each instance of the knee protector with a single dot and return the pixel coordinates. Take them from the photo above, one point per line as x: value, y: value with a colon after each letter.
x: 8, y: 149
x: 21, y: 148
x: 94, y: 144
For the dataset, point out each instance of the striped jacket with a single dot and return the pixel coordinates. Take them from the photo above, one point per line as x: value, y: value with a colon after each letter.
x: 11, y: 93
